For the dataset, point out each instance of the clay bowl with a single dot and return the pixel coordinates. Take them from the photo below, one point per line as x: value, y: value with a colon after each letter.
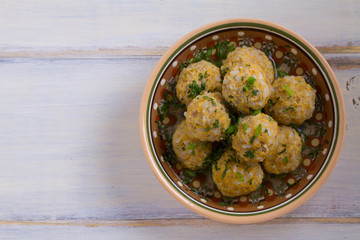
x: 325, y: 130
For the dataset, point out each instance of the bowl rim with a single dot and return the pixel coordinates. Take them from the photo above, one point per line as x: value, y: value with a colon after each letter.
x: 291, y: 205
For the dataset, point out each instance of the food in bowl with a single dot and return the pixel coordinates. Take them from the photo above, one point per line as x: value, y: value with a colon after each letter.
x: 321, y: 135
x: 255, y: 139
x: 246, y: 88
x: 234, y: 177
x: 189, y: 152
x: 197, y: 78
x: 292, y: 100
x: 207, y: 118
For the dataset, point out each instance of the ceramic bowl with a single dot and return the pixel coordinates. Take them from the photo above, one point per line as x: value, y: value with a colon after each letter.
x: 325, y: 130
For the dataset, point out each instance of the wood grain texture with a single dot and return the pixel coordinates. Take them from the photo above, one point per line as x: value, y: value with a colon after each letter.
x: 71, y: 149
x: 94, y: 24
x: 186, y: 229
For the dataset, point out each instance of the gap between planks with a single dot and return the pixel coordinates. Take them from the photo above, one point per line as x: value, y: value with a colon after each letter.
x: 126, y: 51
x: 170, y: 222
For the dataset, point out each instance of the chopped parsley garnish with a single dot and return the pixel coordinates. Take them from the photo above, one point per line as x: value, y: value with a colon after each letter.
x: 270, y: 119
x: 242, y: 78
x: 191, y: 146
x: 255, y: 92
x: 250, y: 82
x: 281, y: 73
x: 289, y: 108
x: 210, y: 99
x: 282, y: 151
x: 225, y: 170
x: 256, y: 112
x: 288, y: 90
x: 248, y: 65
x: 224, y: 72
x: 224, y: 203
x: 230, y: 130
x: 240, y: 176
x: 230, y: 96
x: 271, y: 103
x: 266, y: 130
x: 195, y: 89
x: 189, y: 173
x: 206, y: 74
x: 216, y: 166
x: 286, y: 160
x: 244, y: 127
x: 216, y: 124
x: 257, y: 132
x: 250, y: 182
x: 207, y: 128
x: 249, y: 154
x: 183, y: 148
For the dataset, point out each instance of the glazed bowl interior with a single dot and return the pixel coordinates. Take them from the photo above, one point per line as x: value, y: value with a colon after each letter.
x: 324, y: 132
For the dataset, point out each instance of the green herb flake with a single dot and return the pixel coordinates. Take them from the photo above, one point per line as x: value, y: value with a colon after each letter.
x: 230, y: 96
x: 250, y: 182
x: 256, y: 112
x: 286, y: 160
x: 288, y: 90
x: 242, y: 78
x: 266, y: 130
x: 206, y: 74
x: 249, y: 154
x: 244, y: 127
x: 183, y: 148
x: 281, y: 73
x: 240, y: 176
x: 207, y: 128
x: 250, y: 82
x: 195, y: 89
x: 289, y: 108
x: 258, y: 130
x: 225, y: 170
x: 210, y: 99
x: 255, y: 92
x: 192, y: 146
x: 216, y: 166
x: 216, y: 124
x: 230, y: 130
x: 252, y: 139
x: 284, y: 150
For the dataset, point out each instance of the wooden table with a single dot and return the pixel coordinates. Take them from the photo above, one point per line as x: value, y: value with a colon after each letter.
x: 72, y: 75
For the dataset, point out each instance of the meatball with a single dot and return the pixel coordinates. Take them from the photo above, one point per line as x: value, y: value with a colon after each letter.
x: 245, y: 88
x: 250, y: 55
x: 207, y: 118
x: 287, y: 156
x: 234, y: 178
x: 190, y: 153
x: 255, y: 139
x: 292, y: 100
x: 197, y: 78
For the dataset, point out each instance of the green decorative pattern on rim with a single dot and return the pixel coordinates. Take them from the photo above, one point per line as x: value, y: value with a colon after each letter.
x: 272, y: 30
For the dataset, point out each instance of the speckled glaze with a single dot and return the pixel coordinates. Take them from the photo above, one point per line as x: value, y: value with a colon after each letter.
x: 291, y: 53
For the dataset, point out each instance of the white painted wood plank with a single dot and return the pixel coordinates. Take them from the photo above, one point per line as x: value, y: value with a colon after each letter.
x: 96, y: 24
x: 200, y: 229
x: 70, y: 146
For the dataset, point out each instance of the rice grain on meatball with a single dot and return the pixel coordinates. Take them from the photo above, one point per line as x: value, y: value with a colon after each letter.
x: 207, y: 118
x: 250, y: 55
x: 255, y: 139
x: 190, y: 153
x: 287, y: 156
x: 246, y: 88
x: 234, y: 178
x: 292, y: 100
x: 197, y: 78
